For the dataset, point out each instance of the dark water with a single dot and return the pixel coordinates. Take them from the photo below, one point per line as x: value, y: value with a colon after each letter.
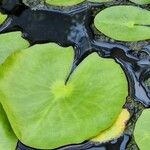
x: 73, y: 27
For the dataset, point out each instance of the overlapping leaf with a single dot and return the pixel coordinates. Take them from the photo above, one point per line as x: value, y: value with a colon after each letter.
x: 44, y: 112
x: 124, y: 23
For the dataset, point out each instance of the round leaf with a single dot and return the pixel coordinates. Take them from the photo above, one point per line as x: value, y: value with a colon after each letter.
x: 64, y: 2
x: 124, y: 23
x: 141, y: 2
x: 44, y: 112
x: 142, y: 130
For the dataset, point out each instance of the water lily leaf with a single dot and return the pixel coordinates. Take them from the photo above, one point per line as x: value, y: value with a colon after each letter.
x: 8, y: 44
x: 11, y: 42
x: 99, y: 1
x: 124, y: 23
x: 8, y: 139
x: 44, y: 112
x: 142, y: 130
x: 64, y: 2
x: 2, y: 18
x: 116, y: 130
x: 141, y: 2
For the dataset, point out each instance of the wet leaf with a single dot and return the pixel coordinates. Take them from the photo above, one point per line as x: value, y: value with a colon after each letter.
x: 142, y: 130
x: 115, y: 131
x: 141, y: 2
x: 64, y: 2
x: 124, y: 23
x: 44, y: 112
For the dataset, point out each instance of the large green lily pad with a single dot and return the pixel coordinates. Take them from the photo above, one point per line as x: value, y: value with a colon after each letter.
x: 124, y: 23
x: 64, y: 2
x: 44, y: 112
x: 141, y: 2
x: 142, y: 130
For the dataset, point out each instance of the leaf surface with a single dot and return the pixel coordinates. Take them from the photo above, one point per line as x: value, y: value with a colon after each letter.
x: 124, y: 23
x: 142, y: 130
x: 64, y: 2
x: 44, y: 112
x: 141, y: 2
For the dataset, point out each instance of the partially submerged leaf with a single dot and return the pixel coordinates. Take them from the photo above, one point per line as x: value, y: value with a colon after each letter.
x: 64, y: 2
x: 116, y: 130
x: 124, y: 23
x: 44, y: 112
x: 142, y: 130
x: 8, y: 139
x: 141, y: 2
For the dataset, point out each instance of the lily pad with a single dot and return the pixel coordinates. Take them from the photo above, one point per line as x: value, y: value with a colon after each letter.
x: 116, y: 130
x: 8, y: 139
x: 141, y: 2
x: 2, y: 18
x: 142, y: 130
x: 9, y: 43
x: 46, y: 113
x: 99, y: 1
x: 64, y: 2
x: 124, y: 23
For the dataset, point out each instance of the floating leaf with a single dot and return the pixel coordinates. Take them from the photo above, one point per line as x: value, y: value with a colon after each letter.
x: 2, y: 18
x: 8, y: 44
x: 44, y: 112
x: 64, y: 2
x: 124, y: 23
x: 141, y: 2
x: 142, y: 130
x: 8, y: 140
x: 116, y: 130
x: 99, y: 1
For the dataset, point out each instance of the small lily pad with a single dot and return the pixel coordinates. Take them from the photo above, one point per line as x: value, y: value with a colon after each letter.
x: 46, y: 113
x: 141, y: 2
x: 142, y: 130
x: 64, y: 2
x: 124, y: 23
x: 116, y: 130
